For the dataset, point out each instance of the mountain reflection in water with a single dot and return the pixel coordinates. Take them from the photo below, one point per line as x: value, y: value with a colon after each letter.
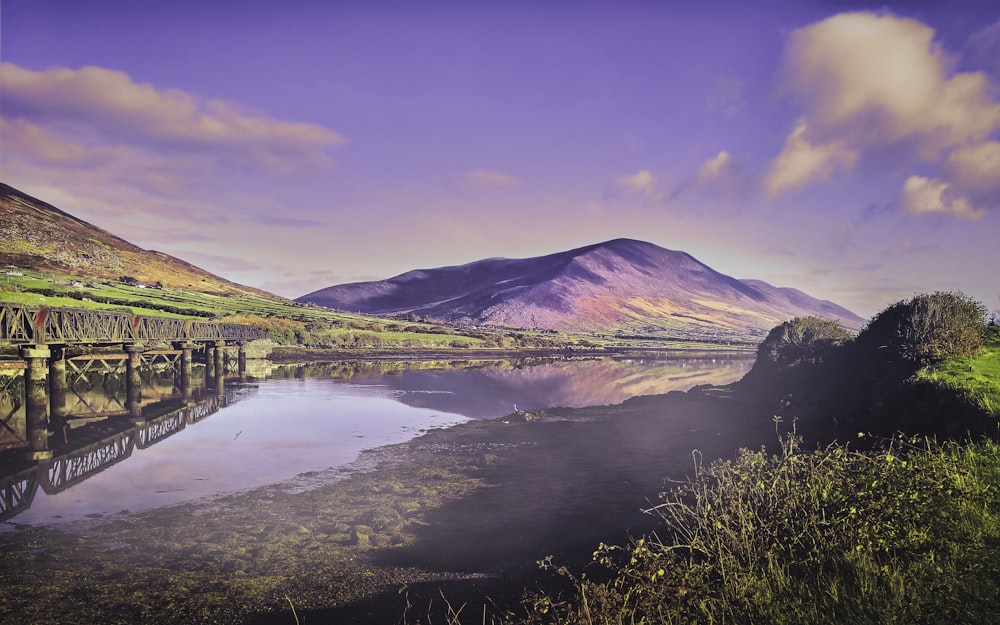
x: 480, y: 389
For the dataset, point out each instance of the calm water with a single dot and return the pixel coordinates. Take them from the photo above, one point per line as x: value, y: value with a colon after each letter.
x: 295, y: 420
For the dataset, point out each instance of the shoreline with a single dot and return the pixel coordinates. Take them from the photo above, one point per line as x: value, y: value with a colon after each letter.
x: 294, y: 354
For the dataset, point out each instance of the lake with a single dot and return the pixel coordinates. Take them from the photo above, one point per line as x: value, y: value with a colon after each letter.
x: 334, y: 485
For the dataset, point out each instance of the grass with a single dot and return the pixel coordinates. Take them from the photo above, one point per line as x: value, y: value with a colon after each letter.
x: 908, y: 533
x: 976, y: 379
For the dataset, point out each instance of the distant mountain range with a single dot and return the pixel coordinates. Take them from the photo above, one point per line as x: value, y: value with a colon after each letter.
x: 623, y: 287
x: 38, y: 235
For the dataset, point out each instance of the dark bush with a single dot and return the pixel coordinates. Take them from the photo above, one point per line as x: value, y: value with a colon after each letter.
x: 927, y: 328
x: 801, y: 340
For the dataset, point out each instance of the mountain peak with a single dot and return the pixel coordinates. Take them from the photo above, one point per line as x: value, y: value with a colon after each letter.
x: 623, y: 286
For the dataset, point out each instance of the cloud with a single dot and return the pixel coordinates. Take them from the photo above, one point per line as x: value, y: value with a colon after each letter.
x: 484, y: 179
x: 97, y: 106
x: 975, y: 168
x: 719, y: 177
x: 801, y: 163
x: 878, y: 79
x: 135, y: 158
x: 923, y: 196
x: 642, y: 181
x: 868, y: 83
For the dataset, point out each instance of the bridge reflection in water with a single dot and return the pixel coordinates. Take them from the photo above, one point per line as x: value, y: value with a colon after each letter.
x: 90, y: 443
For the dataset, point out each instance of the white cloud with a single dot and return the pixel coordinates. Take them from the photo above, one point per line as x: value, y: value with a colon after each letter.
x: 719, y: 181
x: 714, y: 168
x: 877, y: 79
x: 642, y: 181
x: 868, y: 82
x: 922, y: 196
x: 801, y: 163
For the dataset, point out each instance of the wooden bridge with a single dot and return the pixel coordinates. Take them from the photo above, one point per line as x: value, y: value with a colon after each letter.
x: 47, y: 338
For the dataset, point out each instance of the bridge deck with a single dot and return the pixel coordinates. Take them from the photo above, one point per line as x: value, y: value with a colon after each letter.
x: 21, y: 325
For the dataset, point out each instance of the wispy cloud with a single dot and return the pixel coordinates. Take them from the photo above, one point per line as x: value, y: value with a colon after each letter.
x: 642, y: 181
x: 96, y: 107
x: 719, y: 178
x: 140, y: 160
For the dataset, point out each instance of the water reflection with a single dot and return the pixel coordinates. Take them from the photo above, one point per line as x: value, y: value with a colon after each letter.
x: 304, y: 422
x: 491, y: 388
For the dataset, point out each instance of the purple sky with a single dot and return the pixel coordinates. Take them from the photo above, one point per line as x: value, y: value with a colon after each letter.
x: 848, y: 149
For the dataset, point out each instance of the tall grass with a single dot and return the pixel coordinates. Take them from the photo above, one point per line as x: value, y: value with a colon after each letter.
x: 908, y: 533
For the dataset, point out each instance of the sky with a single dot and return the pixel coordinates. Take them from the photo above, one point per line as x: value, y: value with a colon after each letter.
x: 848, y: 149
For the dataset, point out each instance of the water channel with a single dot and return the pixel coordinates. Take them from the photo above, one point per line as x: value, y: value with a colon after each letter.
x: 290, y: 420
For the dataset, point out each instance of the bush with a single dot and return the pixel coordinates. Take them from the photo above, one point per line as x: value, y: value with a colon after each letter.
x: 927, y: 328
x: 801, y: 340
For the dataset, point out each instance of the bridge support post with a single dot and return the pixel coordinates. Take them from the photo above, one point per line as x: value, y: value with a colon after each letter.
x: 133, y: 381
x: 186, y: 350
x: 36, y: 404
x: 242, y: 361
x: 57, y: 382
x: 210, y: 360
x: 220, y: 369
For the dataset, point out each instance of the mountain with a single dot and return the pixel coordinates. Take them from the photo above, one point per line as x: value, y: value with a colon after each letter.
x: 38, y: 235
x: 624, y: 286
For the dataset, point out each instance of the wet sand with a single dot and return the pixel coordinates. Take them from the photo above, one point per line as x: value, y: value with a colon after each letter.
x: 466, y: 511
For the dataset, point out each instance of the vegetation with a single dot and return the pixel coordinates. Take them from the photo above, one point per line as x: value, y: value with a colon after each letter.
x: 927, y: 328
x: 802, y: 339
x: 909, y: 533
x: 902, y: 529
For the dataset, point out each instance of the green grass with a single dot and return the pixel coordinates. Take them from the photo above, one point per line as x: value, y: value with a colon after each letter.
x: 908, y: 533
x: 976, y: 379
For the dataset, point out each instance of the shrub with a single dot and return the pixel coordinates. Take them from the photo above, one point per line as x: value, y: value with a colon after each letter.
x: 801, y: 340
x: 927, y: 328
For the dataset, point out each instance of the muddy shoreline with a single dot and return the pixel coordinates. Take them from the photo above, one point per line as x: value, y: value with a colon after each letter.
x: 466, y: 510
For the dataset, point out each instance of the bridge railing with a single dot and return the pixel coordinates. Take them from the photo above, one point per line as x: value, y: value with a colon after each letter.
x: 22, y: 325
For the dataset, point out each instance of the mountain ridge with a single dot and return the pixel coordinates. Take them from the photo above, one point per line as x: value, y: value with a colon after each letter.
x: 621, y: 286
